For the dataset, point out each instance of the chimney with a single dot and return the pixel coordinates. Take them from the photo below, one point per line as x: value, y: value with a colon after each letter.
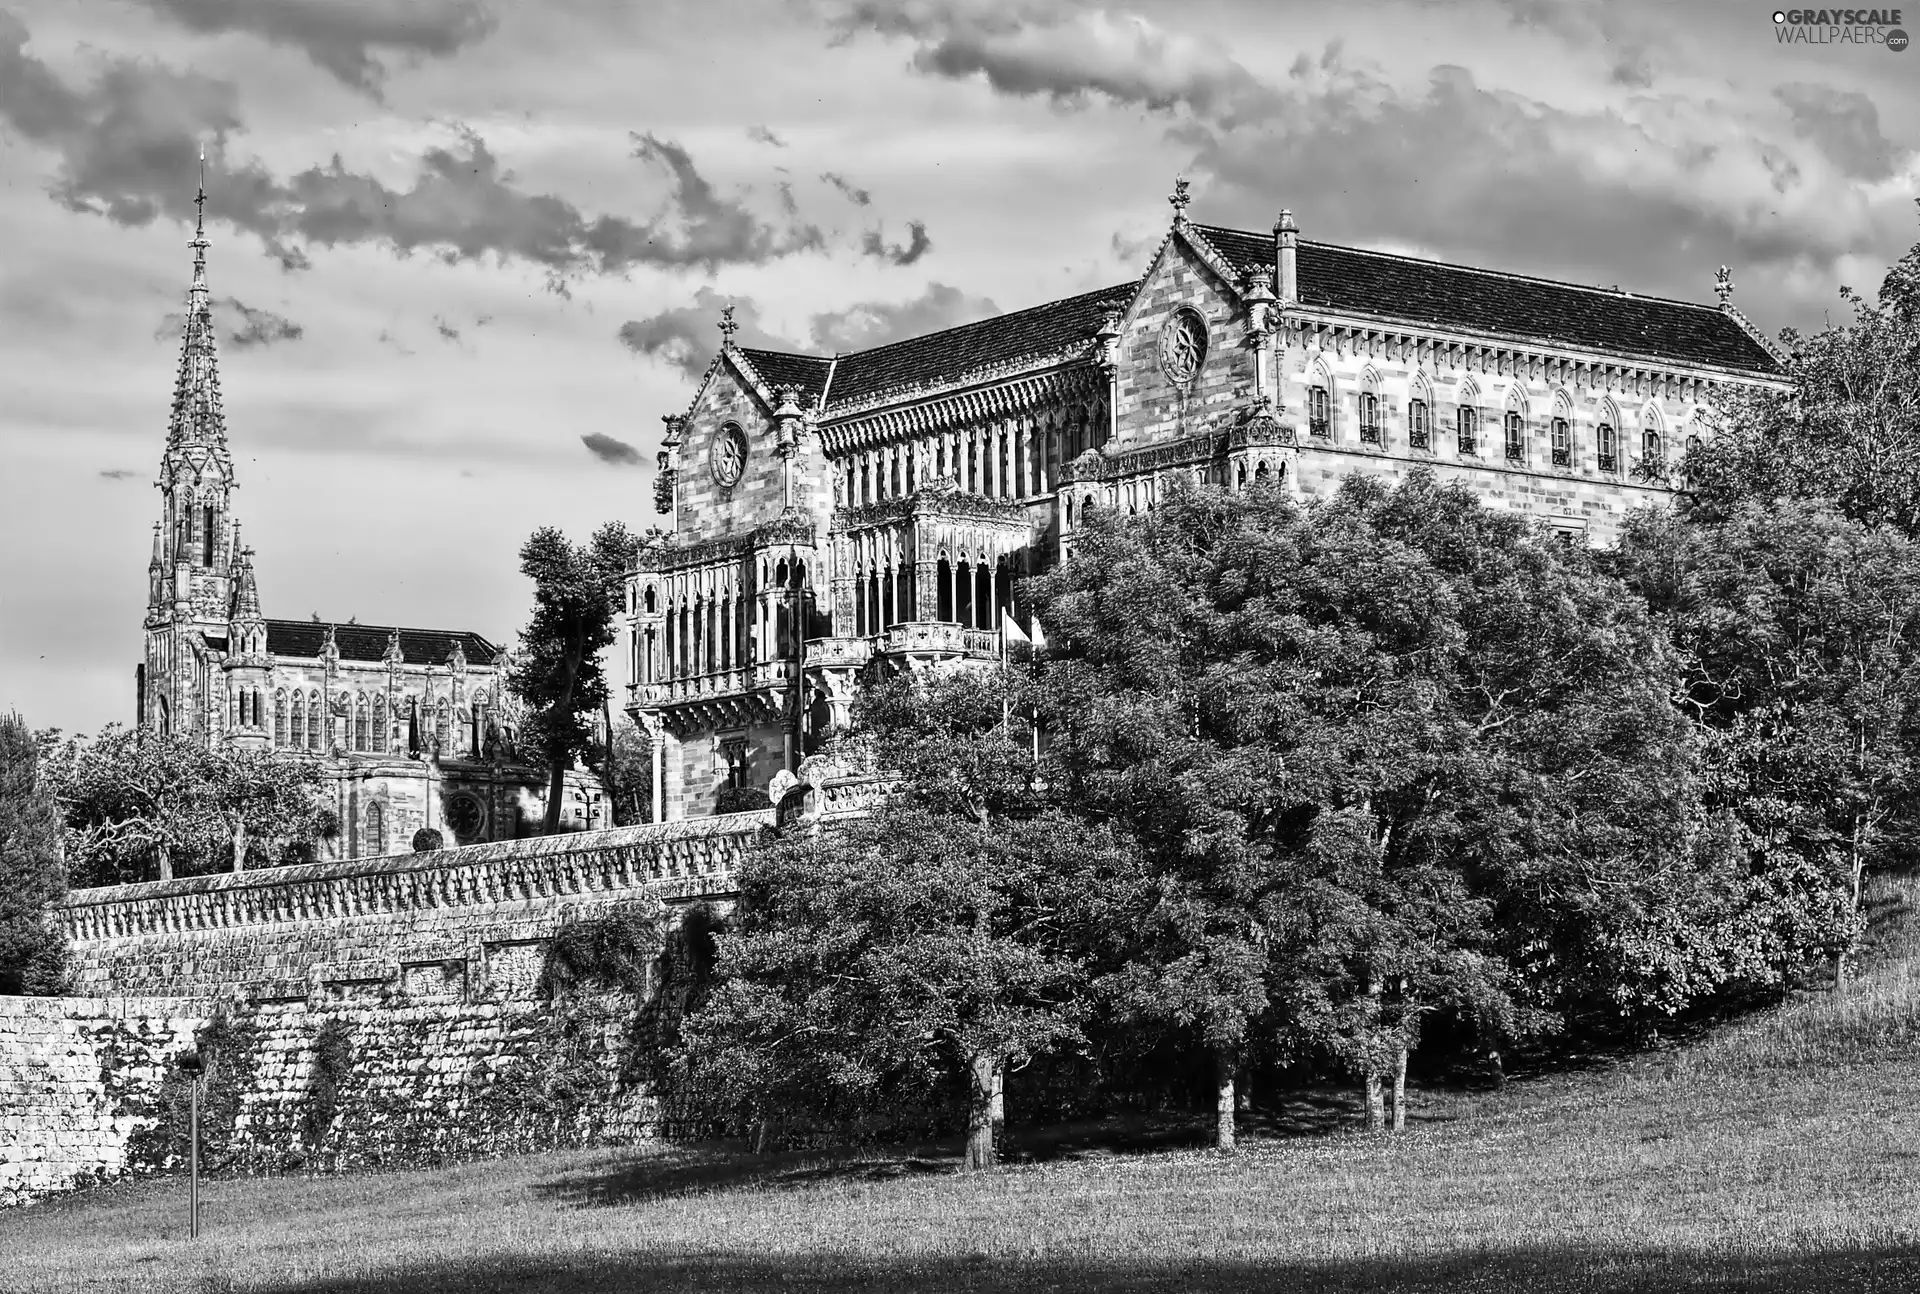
x: 1286, y: 238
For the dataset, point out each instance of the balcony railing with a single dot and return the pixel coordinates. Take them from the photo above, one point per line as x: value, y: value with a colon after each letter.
x: 1562, y: 457
x: 1322, y: 428
x: 1417, y: 438
x: 1370, y: 433
x: 1516, y: 455
x: 1609, y: 462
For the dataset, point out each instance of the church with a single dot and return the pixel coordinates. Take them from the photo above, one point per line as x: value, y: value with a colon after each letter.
x: 833, y: 511
x: 415, y: 727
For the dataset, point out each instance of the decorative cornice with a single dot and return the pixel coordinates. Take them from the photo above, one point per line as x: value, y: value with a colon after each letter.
x: 940, y: 500
x: 1003, y: 390
x: 791, y: 528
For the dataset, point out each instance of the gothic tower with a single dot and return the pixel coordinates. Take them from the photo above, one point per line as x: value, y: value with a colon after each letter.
x: 192, y: 609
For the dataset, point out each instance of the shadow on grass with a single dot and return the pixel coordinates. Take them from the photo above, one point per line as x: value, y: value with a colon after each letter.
x: 1576, y: 1271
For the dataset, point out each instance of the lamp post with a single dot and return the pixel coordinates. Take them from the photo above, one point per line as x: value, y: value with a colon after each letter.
x: 190, y: 1064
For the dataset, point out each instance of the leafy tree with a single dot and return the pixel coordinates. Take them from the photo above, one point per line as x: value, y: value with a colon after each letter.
x: 1849, y: 429
x: 427, y: 839
x: 624, y: 764
x: 33, y: 872
x: 557, y: 671
x: 1801, y: 630
x: 877, y: 963
x: 139, y: 803
x: 1386, y: 755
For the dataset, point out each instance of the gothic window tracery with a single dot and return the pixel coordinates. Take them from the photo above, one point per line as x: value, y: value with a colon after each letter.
x: 313, y: 721
x: 279, y: 718
x: 373, y: 830
x: 298, y: 706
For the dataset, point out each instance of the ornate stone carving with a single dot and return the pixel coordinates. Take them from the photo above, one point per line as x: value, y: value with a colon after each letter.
x: 1183, y: 345
x: 728, y: 455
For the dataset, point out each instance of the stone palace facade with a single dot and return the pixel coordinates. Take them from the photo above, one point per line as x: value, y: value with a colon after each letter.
x: 833, y: 511
x: 415, y: 725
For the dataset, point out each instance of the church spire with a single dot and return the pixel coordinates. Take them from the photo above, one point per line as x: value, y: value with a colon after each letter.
x: 197, y: 415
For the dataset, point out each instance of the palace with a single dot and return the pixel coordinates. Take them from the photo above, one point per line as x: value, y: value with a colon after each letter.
x: 416, y: 726
x: 833, y: 511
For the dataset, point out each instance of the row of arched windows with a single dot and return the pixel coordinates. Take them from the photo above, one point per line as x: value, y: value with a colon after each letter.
x: 1015, y: 458
x: 1471, y: 436
x: 299, y: 723
x: 721, y: 627
x: 248, y: 708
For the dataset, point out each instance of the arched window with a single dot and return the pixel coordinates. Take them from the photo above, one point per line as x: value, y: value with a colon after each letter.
x: 299, y: 721
x: 207, y: 538
x: 440, y: 733
x: 1260, y: 473
x: 1516, y: 428
x: 1467, y: 427
x: 360, y: 722
x: 1419, y: 424
x: 1562, y: 443
x: 1650, y: 447
x: 1370, y: 418
x: 1320, y: 412
x: 1608, y: 445
x: 314, y: 723
x: 279, y: 718
x: 373, y: 830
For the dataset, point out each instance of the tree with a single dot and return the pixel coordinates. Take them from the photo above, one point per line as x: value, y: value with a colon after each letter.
x: 624, y: 764
x: 427, y: 839
x: 1847, y: 432
x: 1359, y: 744
x: 876, y: 963
x: 557, y: 670
x: 33, y: 872
x: 139, y: 803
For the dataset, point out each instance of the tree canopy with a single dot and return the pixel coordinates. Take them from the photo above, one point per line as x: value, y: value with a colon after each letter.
x: 33, y: 874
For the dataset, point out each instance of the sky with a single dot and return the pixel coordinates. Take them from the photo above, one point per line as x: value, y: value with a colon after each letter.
x: 466, y: 254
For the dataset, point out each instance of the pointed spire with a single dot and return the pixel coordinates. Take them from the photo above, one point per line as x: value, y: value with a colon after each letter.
x: 727, y: 326
x: 246, y: 593
x: 1179, y: 199
x: 159, y: 547
x: 197, y: 413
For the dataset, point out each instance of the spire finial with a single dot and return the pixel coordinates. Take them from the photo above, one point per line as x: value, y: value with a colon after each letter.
x: 727, y: 326
x: 1723, y: 285
x: 1179, y: 199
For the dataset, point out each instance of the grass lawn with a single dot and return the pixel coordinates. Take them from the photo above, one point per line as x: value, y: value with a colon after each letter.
x: 1780, y: 1154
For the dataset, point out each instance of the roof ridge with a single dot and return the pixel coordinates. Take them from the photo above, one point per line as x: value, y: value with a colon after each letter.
x: 1001, y: 317
x: 1480, y: 269
x: 405, y: 629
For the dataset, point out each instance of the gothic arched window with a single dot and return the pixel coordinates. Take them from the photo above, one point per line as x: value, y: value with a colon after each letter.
x: 1516, y: 428
x: 299, y: 721
x: 1467, y: 427
x: 360, y: 722
x: 207, y: 538
x: 1370, y: 418
x: 1650, y: 443
x: 279, y: 718
x: 313, y: 721
x: 440, y: 724
x: 1608, y: 445
x: 1320, y: 412
x: 373, y: 830
x: 1419, y: 424
x: 1562, y: 443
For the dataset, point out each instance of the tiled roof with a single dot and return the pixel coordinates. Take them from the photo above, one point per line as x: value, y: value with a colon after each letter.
x: 778, y: 369
x: 944, y: 356
x: 304, y: 638
x: 1433, y: 292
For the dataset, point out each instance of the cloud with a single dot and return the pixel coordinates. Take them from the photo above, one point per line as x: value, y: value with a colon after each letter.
x: 446, y: 330
x: 341, y: 36
x: 875, y: 323
x: 119, y: 474
x: 685, y: 338
x: 615, y: 453
x: 874, y: 244
x: 762, y: 135
x: 127, y: 142
x: 238, y: 324
x: 858, y: 196
x: 1843, y: 124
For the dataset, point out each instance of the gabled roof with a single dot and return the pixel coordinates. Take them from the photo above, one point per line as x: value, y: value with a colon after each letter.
x: 1350, y: 280
x: 305, y: 638
x: 950, y: 355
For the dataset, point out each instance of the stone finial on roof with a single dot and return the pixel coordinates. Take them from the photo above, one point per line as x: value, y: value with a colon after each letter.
x: 1723, y: 285
x: 394, y: 656
x: 457, y: 657
x: 1179, y: 199
x: 1260, y: 285
x: 727, y: 326
x: 676, y: 423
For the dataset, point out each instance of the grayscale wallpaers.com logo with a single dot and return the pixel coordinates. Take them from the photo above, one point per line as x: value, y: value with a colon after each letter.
x: 1840, y: 27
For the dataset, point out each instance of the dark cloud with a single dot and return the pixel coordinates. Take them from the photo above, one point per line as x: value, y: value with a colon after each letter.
x: 119, y: 474
x: 873, y: 243
x: 343, y: 38
x: 858, y: 196
x: 686, y: 338
x: 875, y: 323
x: 1070, y: 55
x: 615, y: 453
x: 1843, y: 124
x: 238, y: 324
x: 446, y: 330
x: 128, y: 145
x: 762, y: 135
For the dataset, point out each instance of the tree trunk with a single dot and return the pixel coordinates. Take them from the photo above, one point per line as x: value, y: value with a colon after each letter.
x: 983, y: 1074
x: 1376, y: 1102
x: 999, y: 1109
x: 1243, y: 1089
x: 1226, y: 1061
x: 556, y: 791
x: 239, y: 846
x: 1400, y: 1090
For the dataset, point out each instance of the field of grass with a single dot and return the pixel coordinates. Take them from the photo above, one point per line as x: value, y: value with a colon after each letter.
x: 1780, y: 1154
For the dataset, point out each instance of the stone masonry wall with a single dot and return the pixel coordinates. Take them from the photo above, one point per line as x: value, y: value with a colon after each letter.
x: 374, y: 1012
